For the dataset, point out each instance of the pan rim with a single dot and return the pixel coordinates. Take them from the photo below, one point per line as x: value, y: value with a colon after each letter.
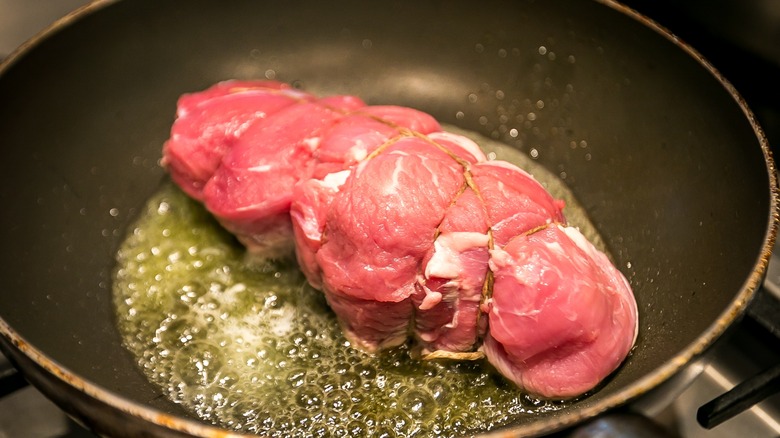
x: 573, y: 415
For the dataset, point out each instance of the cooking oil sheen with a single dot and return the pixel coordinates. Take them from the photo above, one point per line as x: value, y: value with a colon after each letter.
x: 251, y: 347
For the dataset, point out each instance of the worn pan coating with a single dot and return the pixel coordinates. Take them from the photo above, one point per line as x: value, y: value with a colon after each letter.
x: 661, y: 150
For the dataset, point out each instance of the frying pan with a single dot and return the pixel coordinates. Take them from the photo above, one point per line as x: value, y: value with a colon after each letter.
x: 659, y: 148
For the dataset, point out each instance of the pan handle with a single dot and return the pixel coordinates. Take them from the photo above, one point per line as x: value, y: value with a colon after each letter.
x: 11, y: 380
x: 763, y: 310
x: 740, y: 398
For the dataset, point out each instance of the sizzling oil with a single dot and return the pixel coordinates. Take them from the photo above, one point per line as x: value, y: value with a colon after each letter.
x: 254, y: 349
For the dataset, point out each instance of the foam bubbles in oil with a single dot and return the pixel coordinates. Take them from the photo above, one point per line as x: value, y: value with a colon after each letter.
x: 253, y: 348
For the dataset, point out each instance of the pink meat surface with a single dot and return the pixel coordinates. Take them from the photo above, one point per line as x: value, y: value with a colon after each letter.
x: 251, y: 191
x: 363, y: 131
x: 406, y: 227
x: 377, y: 229
x: 348, y: 142
x: 561, y: 317
x: 409, y: 231
x: 507, y: 201
x: 189, y: 101
x: 209, y: 127
x: 453, y: 273
x: 515, y: 201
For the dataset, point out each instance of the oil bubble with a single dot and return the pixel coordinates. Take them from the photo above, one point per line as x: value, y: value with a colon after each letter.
x: 418, y: 404
x: 296, y: 378
x: 530, y: 401
x: 356, y: 428
x: 309, y: 397
x: 385, y: 432
x: 349, y: 380
x: 246, y: 347
x: 440, y: 391
x: 198, y: 363
x: 179, y: 330
x: 339, y: 401
x: 228, y: 380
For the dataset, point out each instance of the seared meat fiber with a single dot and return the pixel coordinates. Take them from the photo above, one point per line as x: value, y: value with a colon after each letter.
x: 408, y: 230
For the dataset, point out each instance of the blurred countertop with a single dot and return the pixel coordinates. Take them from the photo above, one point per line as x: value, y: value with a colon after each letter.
x: 22, y: 19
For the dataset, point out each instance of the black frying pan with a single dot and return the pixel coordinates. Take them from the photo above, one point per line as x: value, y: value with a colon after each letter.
x: 660, y: 149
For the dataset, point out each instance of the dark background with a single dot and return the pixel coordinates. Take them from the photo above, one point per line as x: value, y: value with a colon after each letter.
x: 741, y: 38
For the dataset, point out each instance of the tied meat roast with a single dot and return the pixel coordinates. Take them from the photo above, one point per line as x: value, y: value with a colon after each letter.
x: 408, y: 230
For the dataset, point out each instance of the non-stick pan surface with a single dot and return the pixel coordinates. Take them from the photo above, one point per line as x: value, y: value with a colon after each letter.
x: 666, y: 158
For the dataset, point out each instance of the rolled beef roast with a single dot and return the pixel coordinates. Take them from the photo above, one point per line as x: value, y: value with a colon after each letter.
x: 409, y: 231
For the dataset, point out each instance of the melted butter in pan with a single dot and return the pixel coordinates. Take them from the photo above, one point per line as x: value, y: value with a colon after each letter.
x: 253, y: 348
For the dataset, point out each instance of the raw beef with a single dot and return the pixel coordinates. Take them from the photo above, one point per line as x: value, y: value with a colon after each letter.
x: 251, y: 191
x: 561, y: 317
x: 242, y: 146
x: 409, y: 231
x: 209, y: 123
x: 362, y: 241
